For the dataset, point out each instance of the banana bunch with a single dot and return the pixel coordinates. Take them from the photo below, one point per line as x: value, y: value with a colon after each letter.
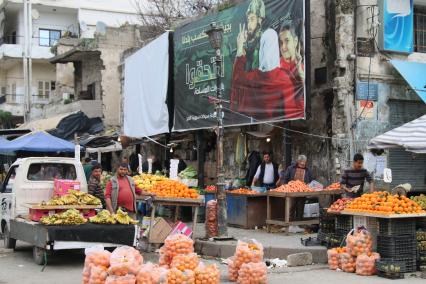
x: 103, y: 217
x: 73, y: 197
x: 123, y: 218
x: 55, y: 201
x: 69, y: 217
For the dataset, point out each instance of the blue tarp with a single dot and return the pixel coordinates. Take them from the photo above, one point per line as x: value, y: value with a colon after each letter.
x: 37, y: 142
x: 415, y: 75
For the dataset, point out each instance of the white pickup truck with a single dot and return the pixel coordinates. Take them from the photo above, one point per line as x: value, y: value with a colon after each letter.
x: 30, y: 180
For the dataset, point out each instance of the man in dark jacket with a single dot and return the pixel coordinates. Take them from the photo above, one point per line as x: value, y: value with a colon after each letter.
x: 298, y: 171
x: 267, y: 173
x: 94, y: 184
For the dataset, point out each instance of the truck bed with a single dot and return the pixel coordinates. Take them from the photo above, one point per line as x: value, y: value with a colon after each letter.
x: 72, y: 237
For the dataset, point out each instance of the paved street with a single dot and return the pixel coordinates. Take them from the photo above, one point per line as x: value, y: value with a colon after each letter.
x: 65, y: 268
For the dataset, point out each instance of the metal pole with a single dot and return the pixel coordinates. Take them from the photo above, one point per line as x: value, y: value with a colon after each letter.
x: 221, y: 195
x: 24, y: 61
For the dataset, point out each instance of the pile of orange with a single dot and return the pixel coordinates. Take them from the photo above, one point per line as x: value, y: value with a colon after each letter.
x: 384, y: 203
x: 333, y: 186
x: 294, y: 186
x: 244, y: 191
x: 173, y: 189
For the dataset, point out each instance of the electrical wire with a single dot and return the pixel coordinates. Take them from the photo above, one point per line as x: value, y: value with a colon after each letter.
x: 292, y: 130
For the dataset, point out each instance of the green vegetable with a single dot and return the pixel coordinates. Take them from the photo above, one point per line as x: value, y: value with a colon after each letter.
x: 188, y: 173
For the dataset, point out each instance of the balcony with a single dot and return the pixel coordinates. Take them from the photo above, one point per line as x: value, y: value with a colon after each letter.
x: 8, y: 50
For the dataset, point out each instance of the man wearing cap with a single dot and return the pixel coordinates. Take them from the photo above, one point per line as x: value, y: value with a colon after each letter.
x: 121, y: 192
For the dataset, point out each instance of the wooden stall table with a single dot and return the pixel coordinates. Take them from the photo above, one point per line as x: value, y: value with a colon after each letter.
x: 278, y: 200
x: 177, y: 202
x: 246, y: 211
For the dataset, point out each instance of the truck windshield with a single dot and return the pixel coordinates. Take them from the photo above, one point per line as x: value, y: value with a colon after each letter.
x: 51, y: 171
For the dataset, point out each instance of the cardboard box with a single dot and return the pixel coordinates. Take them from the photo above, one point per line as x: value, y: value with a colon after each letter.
x: 181, y: 228
x: 61, y: 186
x: 160, y: 231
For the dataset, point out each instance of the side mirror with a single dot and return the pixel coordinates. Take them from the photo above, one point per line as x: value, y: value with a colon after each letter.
x: 387, y: 175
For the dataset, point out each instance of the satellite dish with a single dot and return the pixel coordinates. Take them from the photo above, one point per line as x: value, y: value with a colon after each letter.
x: 35, y: 14
x: 83, y: 26
x: 101, y: 28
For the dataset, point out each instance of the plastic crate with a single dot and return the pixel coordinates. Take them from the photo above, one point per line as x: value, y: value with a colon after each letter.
x: 342, y: 232
x: 422, y: 259
x: 421, y: 223
x: 392, y: 227
x: 327, y: 225
x: 335, y: 240
x: 344, y: 222
x: 406, y: 264
x: 389, y: 275
x: 397, y: 246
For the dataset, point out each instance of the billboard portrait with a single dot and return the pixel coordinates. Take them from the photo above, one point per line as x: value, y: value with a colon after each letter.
x: 262, y: 68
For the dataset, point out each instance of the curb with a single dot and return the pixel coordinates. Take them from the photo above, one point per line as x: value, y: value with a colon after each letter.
x: 227, y: 249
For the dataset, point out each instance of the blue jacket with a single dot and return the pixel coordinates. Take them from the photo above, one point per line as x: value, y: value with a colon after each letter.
x: 291, y: 171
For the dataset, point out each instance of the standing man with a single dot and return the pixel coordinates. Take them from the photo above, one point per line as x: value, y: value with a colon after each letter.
x: 121, y: 192
x: 353, y: 179
x: 87, y: 167
x: 267, y: 173
x: 298, y: 171
x: 94, y: 184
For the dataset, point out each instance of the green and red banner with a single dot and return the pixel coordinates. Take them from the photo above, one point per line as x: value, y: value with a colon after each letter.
x: 262, y: 68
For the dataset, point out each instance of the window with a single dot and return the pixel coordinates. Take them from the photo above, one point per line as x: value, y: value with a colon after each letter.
x: 13, y: 92
x: 51, y: 171
x: 48, y: 37
x: 43, y: 89
x: 420, y: 29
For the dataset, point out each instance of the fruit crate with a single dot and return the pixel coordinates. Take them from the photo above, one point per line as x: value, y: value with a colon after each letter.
x: 422, y: 259
x: 327, y: 225
x: 390, y: 275
x: 406, y: 264
x: 396, y: 246
x: 421, y: 223
x: 344, y: 222
x: 392, y: 227
x: 335, y: 240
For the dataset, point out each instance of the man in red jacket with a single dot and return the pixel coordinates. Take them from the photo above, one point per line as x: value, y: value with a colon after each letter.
x: 121, y: 192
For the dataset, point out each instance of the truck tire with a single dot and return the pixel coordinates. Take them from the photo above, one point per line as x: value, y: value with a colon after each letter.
x: 39, y: 255
x: 9, y: 243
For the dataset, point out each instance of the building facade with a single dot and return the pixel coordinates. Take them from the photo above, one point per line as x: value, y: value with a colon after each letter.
x: 50, y: 21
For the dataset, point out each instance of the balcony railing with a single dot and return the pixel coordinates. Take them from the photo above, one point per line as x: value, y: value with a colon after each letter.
x: 20, y: 99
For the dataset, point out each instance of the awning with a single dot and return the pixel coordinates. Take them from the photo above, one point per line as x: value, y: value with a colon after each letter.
x: 415, y: 75
x: 44, y: 124
x: 411, y: 136
x: 37, y: 142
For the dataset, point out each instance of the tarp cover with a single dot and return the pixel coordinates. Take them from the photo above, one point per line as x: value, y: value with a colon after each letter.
x: 411, y: 136
x: 37, y: 142
x: 414, y: 74
x: 145, y: 90
x: 115, y: 234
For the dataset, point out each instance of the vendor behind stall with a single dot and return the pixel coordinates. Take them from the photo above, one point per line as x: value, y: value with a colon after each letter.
x: 353, y: 179
x: 121, y: 192
x: 94, y: 184
x: 267, y: 173
x: 298, y: 171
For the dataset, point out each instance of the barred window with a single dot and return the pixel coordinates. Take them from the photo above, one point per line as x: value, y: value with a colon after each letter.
x: 420, y: 29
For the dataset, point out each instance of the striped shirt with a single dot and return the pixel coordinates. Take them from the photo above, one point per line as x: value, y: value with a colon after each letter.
x: 352, y: 178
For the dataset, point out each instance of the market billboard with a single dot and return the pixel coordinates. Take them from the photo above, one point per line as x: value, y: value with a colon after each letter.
x: 262, y: 68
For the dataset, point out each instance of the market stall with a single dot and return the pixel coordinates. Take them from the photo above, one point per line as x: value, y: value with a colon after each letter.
x: 280, y: 200
x: 246, y: 209
x: 383, y: 223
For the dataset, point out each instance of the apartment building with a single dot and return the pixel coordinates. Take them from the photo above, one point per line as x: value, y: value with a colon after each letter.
x: 50, y: 21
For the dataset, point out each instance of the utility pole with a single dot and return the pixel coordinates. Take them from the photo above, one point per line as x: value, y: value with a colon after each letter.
x: 26, y: 58
x: 216, y: 35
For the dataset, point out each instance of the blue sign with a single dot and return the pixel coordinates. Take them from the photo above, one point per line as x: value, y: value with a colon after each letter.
x: 367, y: 91
x: 396, y: 25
